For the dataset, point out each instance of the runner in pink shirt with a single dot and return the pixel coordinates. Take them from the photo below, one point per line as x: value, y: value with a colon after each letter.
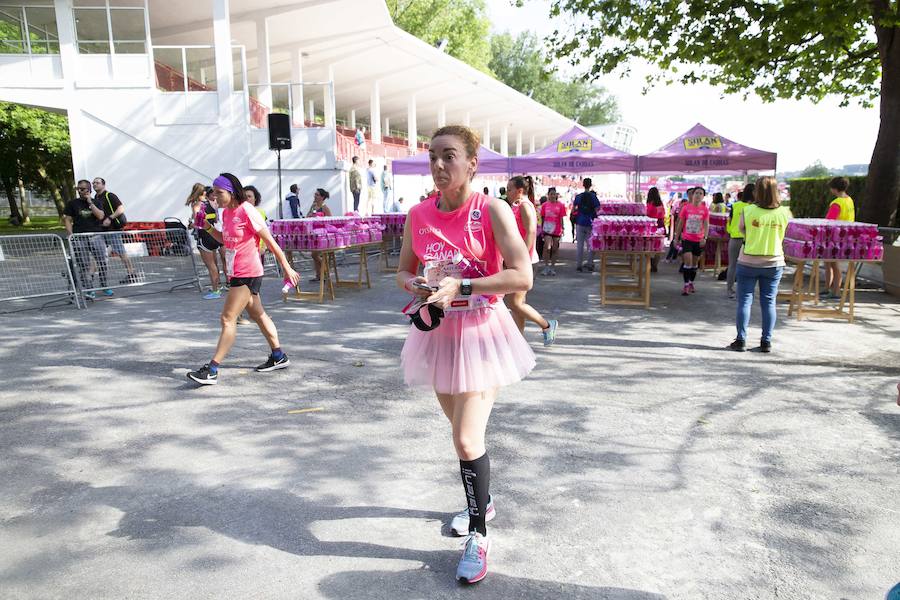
x: 553, y: 213
x: 692, y: 230
x: 526, y: 219
x: 242, y: 229
x: 472, y: 254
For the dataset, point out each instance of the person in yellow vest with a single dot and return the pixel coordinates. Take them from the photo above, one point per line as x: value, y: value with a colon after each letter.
x: 761, y: 261
x: 737, y: 236
x: 840, y: 209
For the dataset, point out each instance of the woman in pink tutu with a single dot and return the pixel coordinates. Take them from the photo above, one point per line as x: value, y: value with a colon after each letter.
x: 464, y: 344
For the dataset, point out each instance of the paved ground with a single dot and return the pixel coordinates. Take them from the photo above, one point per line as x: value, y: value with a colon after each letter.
x: 639, y: 461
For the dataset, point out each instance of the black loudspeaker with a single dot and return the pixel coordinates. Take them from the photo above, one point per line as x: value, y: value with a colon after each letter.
x: 279, y: 131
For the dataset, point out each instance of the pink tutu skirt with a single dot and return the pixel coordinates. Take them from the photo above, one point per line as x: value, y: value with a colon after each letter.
x: 470, y: 351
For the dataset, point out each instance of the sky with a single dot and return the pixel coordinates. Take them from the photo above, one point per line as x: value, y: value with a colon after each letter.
x: 799, y: 131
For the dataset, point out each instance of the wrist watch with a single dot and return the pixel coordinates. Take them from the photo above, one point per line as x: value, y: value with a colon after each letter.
x: 466, y: 288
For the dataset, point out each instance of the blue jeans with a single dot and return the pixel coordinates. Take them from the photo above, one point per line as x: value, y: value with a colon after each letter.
x: 768, y: 279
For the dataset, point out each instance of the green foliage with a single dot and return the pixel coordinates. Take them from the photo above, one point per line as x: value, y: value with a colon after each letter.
x: 817, y: 169
x: 519, y: 63
x: 810, y: 196
x: 777, y: 49
x: 34, y: 147
x: 464, y: 23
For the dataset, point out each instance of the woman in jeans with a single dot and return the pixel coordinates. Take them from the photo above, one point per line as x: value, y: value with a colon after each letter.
x: 761, y: 261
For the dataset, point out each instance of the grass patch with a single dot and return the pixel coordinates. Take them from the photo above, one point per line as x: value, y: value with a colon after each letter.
x: 37, y: 225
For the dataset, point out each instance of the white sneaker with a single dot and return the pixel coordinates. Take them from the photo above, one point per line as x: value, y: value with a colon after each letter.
x: 459, y: 525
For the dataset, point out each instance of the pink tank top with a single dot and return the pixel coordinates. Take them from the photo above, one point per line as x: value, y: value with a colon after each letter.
x: 438, y: 236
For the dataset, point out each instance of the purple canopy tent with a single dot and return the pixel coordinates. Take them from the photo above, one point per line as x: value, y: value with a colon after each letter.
x: 575, y: 151
x: 702, y: 151
x: 489, y: 163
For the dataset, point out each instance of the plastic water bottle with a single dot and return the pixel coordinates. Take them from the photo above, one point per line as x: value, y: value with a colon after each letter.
x: 287, y: 286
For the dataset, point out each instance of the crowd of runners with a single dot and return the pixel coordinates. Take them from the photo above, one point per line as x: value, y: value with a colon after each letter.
x: 467, y: 260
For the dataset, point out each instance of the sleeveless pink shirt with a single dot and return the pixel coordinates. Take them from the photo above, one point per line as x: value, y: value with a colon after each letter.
x: 437, y: 236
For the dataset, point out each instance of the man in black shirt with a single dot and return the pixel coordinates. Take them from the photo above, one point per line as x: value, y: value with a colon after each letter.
x: 83, y: 216
x: 113, y: 221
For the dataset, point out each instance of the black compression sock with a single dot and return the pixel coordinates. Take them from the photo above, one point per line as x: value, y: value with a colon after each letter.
x: 686, y: 274
x: 693, y: 274
x: 476, y: 478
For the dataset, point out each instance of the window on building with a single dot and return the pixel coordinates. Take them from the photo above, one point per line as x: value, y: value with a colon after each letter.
x: 40, y: 24
x: 110, y: 27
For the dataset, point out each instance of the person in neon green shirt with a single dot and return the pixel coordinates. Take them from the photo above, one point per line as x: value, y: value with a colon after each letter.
x: 761, y: 261
x: 736, y: 242
x: 840, y: 209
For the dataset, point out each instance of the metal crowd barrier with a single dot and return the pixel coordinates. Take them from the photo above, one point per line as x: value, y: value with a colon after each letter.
x: 117, y: 259
x: 35, y: 266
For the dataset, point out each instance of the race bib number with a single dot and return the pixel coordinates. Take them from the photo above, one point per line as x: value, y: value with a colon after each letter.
x: 693, y: 225
x: 549, y: 227
x: 229, y: 262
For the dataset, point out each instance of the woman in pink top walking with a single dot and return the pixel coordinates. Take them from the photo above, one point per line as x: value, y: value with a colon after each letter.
x: 464, y: 239
x: 242, y: 229
x: 691, y: 231
x: 526, y: 220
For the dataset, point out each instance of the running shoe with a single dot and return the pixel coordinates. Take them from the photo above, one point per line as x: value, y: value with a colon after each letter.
x: 731, y: 295
x: 550, y: 332
x: 204, y: 376
x: 273, y: 365
x: 685, y: 290
x: 738, y: 345
x: 545, y: 271
x: 473, y: 564
x: 90, y: 295
x: 459, y: 525
x: 765, y: 346
x: 579, y: 270
x: 589, y: 268
x: 553, y: 272
x: 108, y: 292
x: 691, y: 287
x: 213, y: 295
x: 242, y: 320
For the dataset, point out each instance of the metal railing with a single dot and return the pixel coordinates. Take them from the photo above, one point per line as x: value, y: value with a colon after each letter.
x: 115, y: 259
x: 308, y: 103
x: 35, y: 266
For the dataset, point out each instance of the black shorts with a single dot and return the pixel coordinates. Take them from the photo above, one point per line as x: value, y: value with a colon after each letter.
x: 206, y: 242
x: 254, y: 283
x: 692, y: 247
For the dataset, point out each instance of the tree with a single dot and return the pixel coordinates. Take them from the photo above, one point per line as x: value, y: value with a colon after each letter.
x: 463, y: 23
x: 519, y: 63
x: 817, y: 169
x: 778, y: 49
x: 35, y: 151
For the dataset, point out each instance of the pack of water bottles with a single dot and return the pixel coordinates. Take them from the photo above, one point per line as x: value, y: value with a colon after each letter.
x: 393, y: 223
x: 621, y: 208
x: 324, y: 233
x: 830, y: 239
x: 627, y: 234
x: 718, y: 226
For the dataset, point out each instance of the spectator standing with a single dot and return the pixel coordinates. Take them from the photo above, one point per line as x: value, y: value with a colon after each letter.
x: 355, y: 183
x: 718, y: 204
x: 761, y: 261
x: 83, y: 216
x: 655, y: 210
x: 372, y: 183
x: 386, y: 184
x: 840, y: 209
x: 113, y: 221
x: 199, y: 202
x: 736, y: 241
x: 293, y: 201
x: 587, y: 204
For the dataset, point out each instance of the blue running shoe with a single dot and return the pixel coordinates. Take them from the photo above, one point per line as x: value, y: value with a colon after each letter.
x: 550, y: 332
x: 459, y: 525
x: 108, y: 292
x: 473, y: 564
x: 213, y: 295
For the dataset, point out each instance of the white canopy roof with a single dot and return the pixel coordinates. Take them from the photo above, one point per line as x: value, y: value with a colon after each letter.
x: 357, y: 41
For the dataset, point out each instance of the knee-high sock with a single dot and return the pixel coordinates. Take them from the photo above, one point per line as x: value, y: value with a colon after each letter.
x: 693, y: 273
x: 476, y: 478
x: 685, y: 273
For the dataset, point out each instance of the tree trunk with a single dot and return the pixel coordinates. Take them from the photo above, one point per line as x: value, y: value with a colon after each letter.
x: 883, y: 180
x: 52, y: 184
x: 23, y: 201
x: 14, y: 217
